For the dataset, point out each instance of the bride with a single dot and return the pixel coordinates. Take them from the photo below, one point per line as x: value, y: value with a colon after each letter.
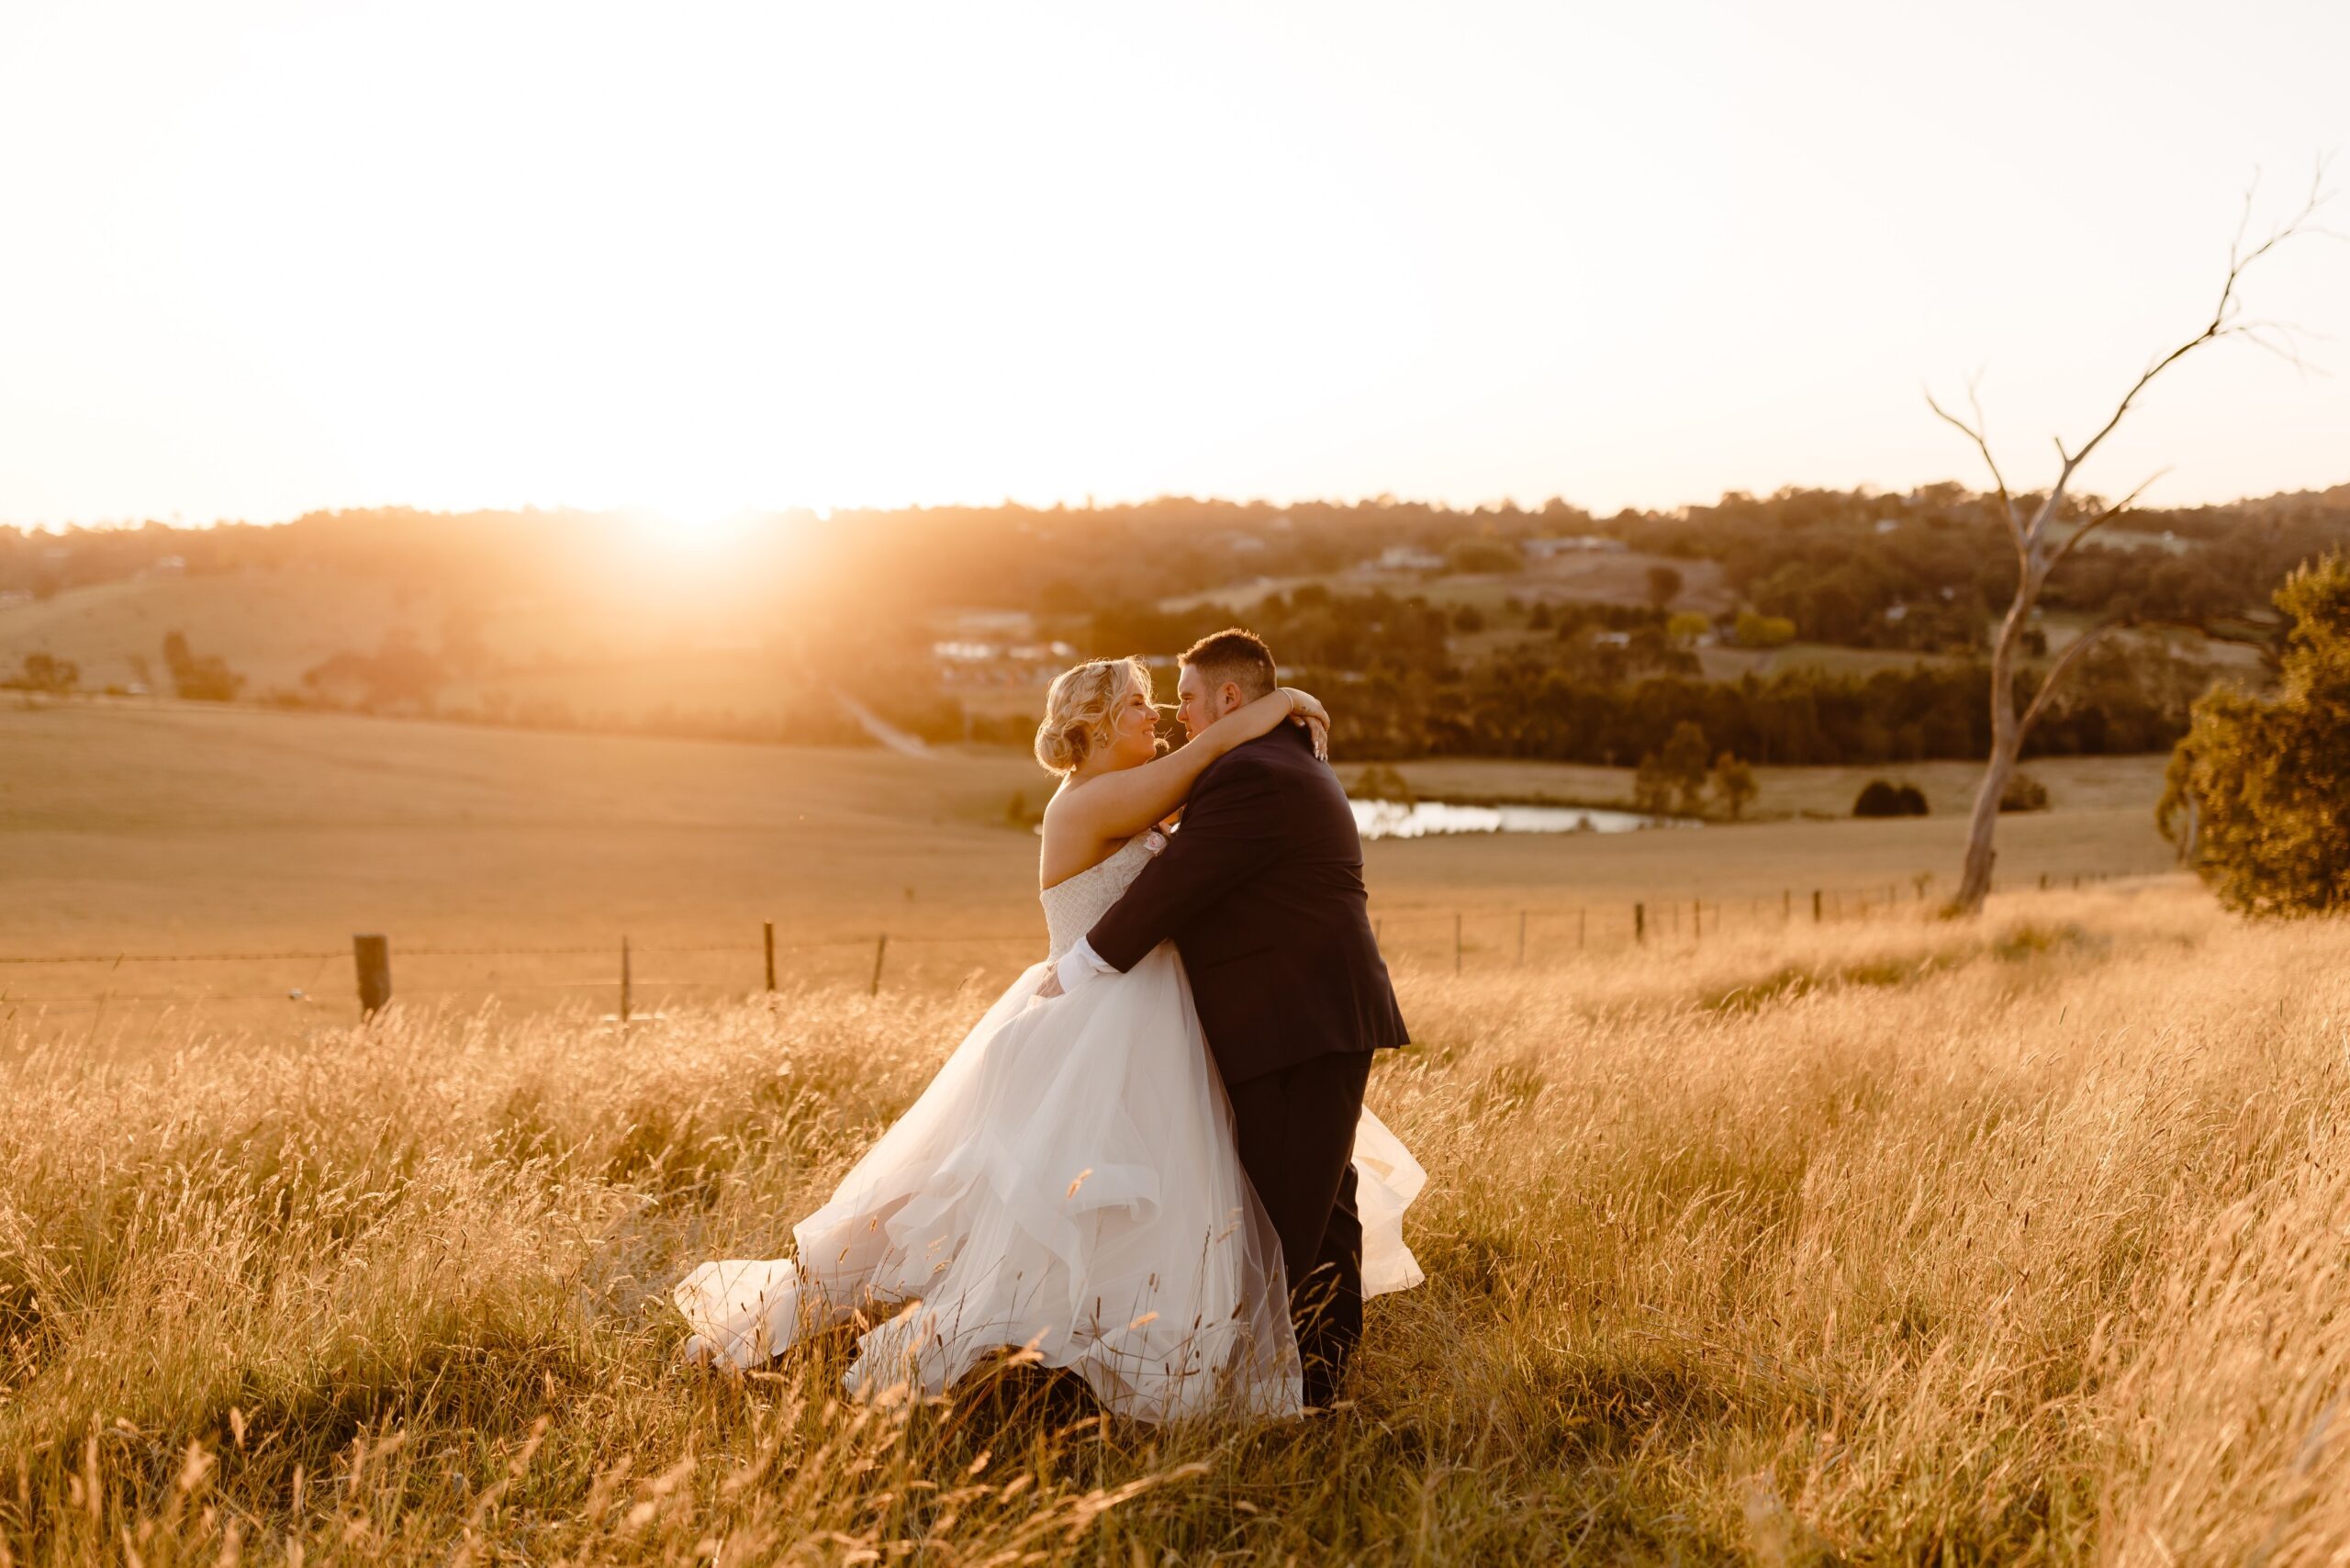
x: 1069, y: 1183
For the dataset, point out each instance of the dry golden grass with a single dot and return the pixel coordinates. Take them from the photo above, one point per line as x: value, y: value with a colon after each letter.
x: 2015, y: 1241
x: 188, y: 827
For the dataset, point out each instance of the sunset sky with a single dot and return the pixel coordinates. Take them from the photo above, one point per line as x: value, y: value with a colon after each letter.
x: 262, y: 257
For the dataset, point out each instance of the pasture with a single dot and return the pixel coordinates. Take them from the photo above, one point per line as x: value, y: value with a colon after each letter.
x: 183, y: 829
x: 2012, y: 1241
x: 1881, y: 1239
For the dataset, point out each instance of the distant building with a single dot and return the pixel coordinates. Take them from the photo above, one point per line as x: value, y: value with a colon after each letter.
x: 1004, y: 625
x: 968, y: 651
x: 1544, y: 549
x: 1245, y: 545
x: 1409, y: 558
x: 1889, y: 525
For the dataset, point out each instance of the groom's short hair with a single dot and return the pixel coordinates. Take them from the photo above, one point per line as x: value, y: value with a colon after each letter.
x: 1234, y: 655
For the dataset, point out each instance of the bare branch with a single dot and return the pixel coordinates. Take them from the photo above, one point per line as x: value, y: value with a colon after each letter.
x: 2071, y: 655
x: 2243, y: 220
x: 1974, y: 432
x: 2239, y: 261
x: 2282, y: 344
x: 2104, y: 515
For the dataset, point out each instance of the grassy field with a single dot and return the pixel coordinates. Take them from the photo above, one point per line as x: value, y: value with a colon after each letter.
x: 1903, y: 1241
x: 274, y: 626
x: 2076, y: 784
x: 184, y: 829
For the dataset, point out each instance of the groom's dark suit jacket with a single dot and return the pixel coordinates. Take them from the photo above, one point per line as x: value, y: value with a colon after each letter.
x: 1261, y: 890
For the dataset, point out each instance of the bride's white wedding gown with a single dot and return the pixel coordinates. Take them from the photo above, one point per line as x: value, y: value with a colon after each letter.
x: 1068, y: 1183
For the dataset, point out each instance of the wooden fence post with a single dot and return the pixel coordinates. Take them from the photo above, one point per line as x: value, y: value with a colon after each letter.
x: 1456, y: 941
x: 372, y: 955
x: 770, y: 941
x: 1639, y: 922
x: 1582, y: 928
x: 1696, y: 919
x: 1521, y: 938
x: 1815, y: 906
x: 627, y: 986
x: 881, y: 951
x: 1788, y: 905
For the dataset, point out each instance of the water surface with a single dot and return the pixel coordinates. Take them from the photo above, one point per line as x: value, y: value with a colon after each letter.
x: 1394, y: 819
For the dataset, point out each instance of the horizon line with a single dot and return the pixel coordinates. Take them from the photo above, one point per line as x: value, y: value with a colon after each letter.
x: 1090, y: 503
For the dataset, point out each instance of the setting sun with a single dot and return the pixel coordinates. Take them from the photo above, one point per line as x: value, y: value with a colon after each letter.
x: 315, y: 255
x: 1015, y: 780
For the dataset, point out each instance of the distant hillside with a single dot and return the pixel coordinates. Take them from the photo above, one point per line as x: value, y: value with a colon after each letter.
x: 948, y: 621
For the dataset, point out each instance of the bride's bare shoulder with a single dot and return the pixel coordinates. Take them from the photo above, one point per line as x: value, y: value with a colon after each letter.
x: 1068, y: 845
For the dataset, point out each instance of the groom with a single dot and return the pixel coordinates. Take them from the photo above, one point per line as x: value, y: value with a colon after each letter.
x: 1262, y: 892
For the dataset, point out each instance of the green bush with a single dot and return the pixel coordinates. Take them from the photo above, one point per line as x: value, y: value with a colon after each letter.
x: 2023, y: 793
x: 2258, y: 791
x: 1880, y: 798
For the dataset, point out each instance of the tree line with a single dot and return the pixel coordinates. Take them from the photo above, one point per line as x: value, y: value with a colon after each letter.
x: 1860, y: 568
x: 1612, y: 684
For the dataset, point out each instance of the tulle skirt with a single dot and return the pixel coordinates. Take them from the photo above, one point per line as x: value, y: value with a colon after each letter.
x: 1068, y: 1185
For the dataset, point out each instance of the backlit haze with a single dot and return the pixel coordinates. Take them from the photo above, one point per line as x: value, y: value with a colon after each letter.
x: 263, y: 258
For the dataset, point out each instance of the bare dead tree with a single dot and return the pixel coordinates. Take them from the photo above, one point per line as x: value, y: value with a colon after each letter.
x: 2041, y: 545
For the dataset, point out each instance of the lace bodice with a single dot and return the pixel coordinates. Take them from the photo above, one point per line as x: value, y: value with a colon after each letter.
x: 1071, y: 907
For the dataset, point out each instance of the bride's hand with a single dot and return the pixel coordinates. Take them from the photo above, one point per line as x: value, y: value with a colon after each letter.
x: 1306, y: 710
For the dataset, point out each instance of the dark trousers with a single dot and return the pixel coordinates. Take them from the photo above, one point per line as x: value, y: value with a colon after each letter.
x: 1296, y: 1131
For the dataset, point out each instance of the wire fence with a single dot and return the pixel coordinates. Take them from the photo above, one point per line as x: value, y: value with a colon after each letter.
x: 1487, y: 936
x: 724, y: 969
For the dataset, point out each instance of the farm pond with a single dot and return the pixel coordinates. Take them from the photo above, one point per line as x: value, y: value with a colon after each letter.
x: 1421, y: 819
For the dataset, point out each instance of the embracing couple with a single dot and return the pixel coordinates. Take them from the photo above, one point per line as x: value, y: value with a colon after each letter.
x: 1150, y: 1162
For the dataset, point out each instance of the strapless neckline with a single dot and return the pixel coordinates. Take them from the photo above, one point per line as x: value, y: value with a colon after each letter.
x: 1074, y: 903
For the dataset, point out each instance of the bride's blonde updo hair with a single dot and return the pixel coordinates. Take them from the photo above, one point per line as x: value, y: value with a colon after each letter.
x: 1081, y: 706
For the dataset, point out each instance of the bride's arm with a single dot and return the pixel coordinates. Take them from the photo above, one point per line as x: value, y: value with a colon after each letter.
x: 1131, y: 801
